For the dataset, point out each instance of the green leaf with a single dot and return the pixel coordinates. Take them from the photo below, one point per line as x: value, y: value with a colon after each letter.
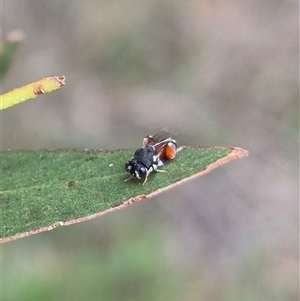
x: 42, y: 189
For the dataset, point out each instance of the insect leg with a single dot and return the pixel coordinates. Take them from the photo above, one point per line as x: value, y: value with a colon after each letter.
x: 148, y: 171
x: 128, y: 179
x: 162, y: 171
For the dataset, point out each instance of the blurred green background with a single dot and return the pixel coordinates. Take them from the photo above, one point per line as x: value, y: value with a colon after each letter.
x: 215, y: 72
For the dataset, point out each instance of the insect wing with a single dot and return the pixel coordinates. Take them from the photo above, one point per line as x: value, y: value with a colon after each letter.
x: 164, y: 146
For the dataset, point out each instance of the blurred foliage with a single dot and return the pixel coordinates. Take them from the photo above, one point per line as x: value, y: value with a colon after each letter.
x: 128, y: 269
x: 8, y: 47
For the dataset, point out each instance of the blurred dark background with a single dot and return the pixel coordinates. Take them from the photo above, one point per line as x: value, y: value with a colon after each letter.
x: 215, y: 72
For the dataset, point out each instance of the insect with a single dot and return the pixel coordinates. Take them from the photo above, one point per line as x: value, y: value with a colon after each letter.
x: 155, y: 152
